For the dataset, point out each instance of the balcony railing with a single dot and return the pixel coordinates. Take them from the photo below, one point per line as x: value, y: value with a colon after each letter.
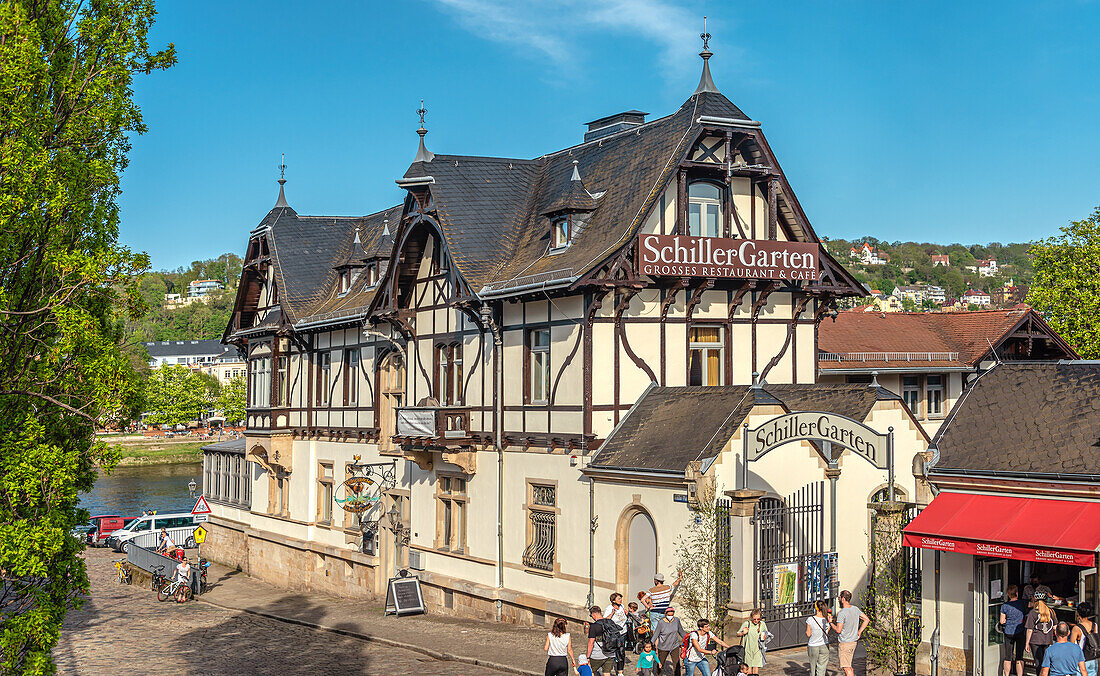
x: 888, y: 356
x: 440, y: 423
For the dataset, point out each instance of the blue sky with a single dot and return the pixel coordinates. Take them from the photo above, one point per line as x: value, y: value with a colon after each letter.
x: 930, y: 121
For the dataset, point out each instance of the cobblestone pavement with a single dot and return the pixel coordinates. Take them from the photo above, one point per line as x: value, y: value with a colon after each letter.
x: 124, y: 629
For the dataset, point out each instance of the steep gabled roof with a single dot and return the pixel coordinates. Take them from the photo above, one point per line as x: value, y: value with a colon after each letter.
x: 870, y: 340
x: 670, y: 427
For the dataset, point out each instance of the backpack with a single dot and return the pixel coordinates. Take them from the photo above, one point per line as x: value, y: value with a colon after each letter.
x: 611, y: 639
x: 1092, y: 643
x: 686, y: 645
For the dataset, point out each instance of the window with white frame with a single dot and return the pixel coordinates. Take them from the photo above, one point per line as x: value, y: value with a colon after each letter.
x: 345, y: 280
x: 282, y: 381
x: 324, y: 378
x: 538, y: 366
x: 449, y: 374
x: 705, y: 352
x: 260, y: 377
x: 933, y: 389
x: 910, y: 394
x: 371, y: 275
x: 351, y: 377
x: 226, y: 478
x: 704, y: 209
x: 559, y: 232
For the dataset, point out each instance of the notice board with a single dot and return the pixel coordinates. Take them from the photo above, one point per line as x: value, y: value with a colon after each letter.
x: 403, y: 596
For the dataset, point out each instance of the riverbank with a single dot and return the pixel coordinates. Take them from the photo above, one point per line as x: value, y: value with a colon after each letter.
x: 161, y: 452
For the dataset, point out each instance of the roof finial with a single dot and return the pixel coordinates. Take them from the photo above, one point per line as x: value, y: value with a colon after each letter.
x: 576, y: 172
x: 385, y: 227
x: 281, y: 202
x: 357, y: 240
x: 422, y: 153
x: 706, y: 83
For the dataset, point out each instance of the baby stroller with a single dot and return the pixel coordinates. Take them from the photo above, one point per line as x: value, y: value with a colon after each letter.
x: 729, y: 661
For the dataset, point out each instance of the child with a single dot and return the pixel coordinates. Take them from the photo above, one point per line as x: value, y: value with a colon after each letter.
x: 638, y: 627
x: 647, y: 660
x: 582, y: 665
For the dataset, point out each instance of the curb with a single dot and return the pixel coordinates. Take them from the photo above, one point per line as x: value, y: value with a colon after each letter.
x: 448, y: 657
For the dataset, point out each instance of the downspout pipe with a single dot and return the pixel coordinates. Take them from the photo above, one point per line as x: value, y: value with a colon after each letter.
x: 498, y: 400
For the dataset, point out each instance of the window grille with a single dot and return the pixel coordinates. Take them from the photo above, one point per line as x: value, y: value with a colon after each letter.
x: 540, y: 551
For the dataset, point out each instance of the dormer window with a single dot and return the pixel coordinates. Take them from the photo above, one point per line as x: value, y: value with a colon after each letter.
x: 371, y: 275
x: 345, y: 280
x: 559, y: 233
x: 705, y: 202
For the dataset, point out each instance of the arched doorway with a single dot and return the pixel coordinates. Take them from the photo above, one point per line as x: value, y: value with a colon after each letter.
x: 641, y: 555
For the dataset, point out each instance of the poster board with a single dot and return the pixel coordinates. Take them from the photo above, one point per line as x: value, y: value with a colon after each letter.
x: 785, y: 584
x: 404, y: 597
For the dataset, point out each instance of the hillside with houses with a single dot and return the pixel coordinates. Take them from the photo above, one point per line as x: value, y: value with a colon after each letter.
x: 912, y: 275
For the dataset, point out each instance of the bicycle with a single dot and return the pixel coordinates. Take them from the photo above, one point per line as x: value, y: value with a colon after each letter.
x: 178, y: 588
x: 125, y: 575
x: 158, y: 578
x: 203, y: 566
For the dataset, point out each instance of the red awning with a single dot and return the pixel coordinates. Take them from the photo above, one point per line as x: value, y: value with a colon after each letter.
x: 1027, y: 529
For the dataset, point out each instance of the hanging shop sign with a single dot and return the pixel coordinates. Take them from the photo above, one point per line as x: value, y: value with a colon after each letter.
x: 818, y: 426
x: 686, y: 256
x: 358, y: 496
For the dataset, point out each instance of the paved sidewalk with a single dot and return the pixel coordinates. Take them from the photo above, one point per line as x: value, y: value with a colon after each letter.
x: 504, y: 647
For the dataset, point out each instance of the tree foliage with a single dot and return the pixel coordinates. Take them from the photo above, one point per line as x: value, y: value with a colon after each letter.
x: 697, y: 551
x: 231, y: 400
x: 1066, y: 288
x: 176, y: 395
x: 66, y: 115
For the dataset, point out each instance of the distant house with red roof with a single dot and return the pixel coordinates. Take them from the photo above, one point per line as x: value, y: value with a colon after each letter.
x: 929, y: 357
x: 940, y: 259
x: 868, y: 255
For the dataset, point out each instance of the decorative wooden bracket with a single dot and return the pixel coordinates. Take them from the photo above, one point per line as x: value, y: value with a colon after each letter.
x: 762, y: 299
x: 739, y: 296
x: 697, y: 295
x: 823, y: 309
x: 671, y: 297
x: 624, y: 304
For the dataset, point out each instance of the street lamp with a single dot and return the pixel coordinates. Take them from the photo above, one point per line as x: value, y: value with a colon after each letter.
x: 191, y: 486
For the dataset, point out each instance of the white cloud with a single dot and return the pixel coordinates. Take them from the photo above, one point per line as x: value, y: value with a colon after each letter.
x: 559, y: 30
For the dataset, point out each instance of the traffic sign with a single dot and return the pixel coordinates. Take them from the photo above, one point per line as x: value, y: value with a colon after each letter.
x: 200, y: 535
x: 202, y: 518
x: 201, y: 507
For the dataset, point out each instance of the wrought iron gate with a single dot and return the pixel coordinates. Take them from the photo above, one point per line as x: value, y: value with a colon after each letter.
x: 792, y: 567
x: 722, y: 554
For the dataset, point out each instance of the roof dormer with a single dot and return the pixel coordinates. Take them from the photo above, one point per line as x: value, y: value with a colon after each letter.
x: 569, y: 211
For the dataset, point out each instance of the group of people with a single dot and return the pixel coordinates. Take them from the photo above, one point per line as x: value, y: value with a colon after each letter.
x: 650, y: 628
x: 1057, y: 648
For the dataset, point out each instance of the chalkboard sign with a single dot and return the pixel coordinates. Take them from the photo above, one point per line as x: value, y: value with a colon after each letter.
x: 403, y: 596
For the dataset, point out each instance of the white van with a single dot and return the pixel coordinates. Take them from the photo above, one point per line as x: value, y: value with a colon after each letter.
x: 145, y: 531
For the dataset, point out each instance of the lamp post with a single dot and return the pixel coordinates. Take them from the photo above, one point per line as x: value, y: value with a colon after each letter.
x: 191, y: 486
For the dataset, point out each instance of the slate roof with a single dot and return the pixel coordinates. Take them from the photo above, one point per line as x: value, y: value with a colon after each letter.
x: 670, y: 427
x: 1022, y: 417
x: 969, y: 334
x: 226, y: 446
x: 187, y: 348
x: 304, y: 250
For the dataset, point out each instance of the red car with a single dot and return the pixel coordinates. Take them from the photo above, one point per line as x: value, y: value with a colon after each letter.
x: 102, y: 525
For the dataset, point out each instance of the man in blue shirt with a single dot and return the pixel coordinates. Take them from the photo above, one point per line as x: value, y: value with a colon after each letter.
x: 1063, y: 658
x: 1013, y: 612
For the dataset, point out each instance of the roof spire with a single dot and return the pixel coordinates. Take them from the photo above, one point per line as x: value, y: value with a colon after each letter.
x: 576, y: 172
x: 422, y: 153
x: 706, y: 83
x: 385, y: 227
x: 282, y: 181
x: 357, y: 240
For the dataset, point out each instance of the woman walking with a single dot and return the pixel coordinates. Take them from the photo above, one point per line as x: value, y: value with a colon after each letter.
x: 1040, y: 630
x: 753, y: 629
x: 1087, y: 636
x: 817, y: 631
x: 559, y: 650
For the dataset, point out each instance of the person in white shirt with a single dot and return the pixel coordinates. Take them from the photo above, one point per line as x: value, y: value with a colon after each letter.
x: 817, y: 631
x: 697, y: 651
x: 183, y: 573
x: 559, y: 650
x: 165, y: 543
x: 617, y: 614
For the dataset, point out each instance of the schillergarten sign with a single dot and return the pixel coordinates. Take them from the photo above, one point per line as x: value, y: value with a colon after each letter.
x: 817, y: 426
x: 685, y: 256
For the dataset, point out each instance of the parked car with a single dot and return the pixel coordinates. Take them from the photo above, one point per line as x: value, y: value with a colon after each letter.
x: 144, y: 529
x: 103, y: 526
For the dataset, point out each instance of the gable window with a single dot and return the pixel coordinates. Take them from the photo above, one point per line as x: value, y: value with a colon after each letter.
x: 559, y: 233
x: 910, y: 394
x: 371, y: 275
x: 449, y: 374
x: 705, y: 355
x: 351, y: 377
x: 704, y: 210
x: 324, y: 378
x: 538, y: 366
x: 933, y: 388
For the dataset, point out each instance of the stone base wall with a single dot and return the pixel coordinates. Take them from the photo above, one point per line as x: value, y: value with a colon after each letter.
x: 953, y: 661
x: 310, y: 567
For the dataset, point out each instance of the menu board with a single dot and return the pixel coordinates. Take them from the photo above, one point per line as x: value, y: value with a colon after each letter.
x: 403, y: 596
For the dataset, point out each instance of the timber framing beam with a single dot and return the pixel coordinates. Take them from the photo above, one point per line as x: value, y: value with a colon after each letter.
x: 697, y: 295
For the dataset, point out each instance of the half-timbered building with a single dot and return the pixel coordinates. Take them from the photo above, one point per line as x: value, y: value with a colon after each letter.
x: 431, y: 385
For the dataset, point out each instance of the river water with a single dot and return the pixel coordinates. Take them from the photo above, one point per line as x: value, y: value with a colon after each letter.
x: 130, y: 489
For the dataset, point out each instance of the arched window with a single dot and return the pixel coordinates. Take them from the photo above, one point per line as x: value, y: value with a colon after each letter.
x: 705, y: 209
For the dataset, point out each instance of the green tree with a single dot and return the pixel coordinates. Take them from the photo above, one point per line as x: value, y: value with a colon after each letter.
x: 1066, y: 287
x: 702, y: 569
x: 231, y: 401
x: 176, y: 395
x: 66, y: 117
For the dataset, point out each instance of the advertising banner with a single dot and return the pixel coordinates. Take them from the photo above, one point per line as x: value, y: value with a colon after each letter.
x: 686, y: 256
x: 785, y: 584
x: 999, y: 551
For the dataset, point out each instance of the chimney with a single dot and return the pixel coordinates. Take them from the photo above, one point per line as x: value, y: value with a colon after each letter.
x: 605, y: 126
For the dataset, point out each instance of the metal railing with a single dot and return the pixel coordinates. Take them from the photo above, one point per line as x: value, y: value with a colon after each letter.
x: 541, y: 550
x: 888, y: 356
x: 181, y: 535
x: 148, y: 560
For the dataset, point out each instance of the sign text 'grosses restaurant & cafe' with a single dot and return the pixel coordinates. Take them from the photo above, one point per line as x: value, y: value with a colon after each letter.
x: 685, y: 256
